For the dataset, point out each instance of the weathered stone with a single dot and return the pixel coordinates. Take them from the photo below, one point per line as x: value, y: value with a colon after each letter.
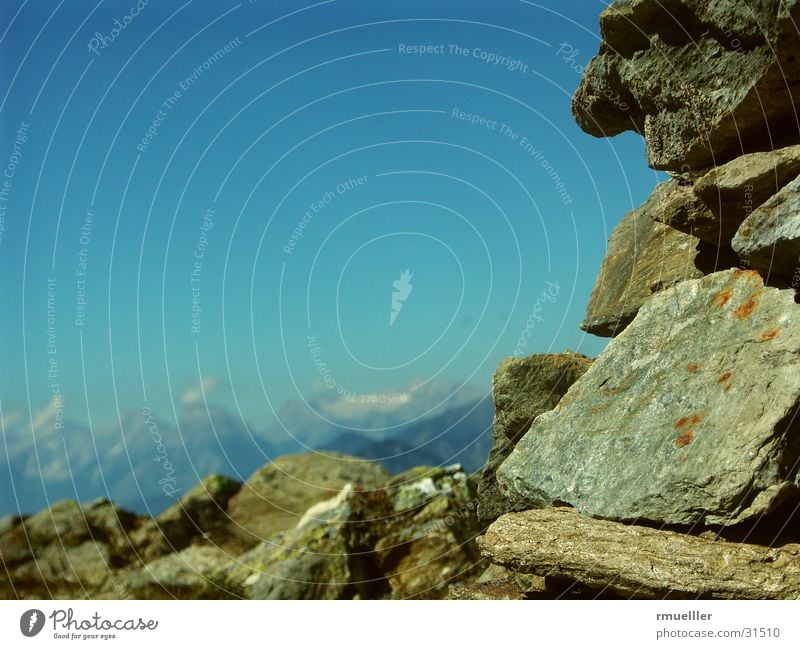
x: 15, y: 549
x: 110, y: 523
x: 189, y: 574
x: 276, y: 496
x: 63, y: 522
x: 732, y: 191
x: 769, y: 239
x: 409, y: 539
x: 703, y: 81
x: 499, y: 583
x: 429, y: 540
x: 67, y: 523
x: 311, y: 561
x: 643, y: 257
x: 7, y: 523
x: 674, y: 203
x: 522, y: 389
x: 689, y: 416
x: 86, y: 565
x: 196, y: 513
x: 635, y: 561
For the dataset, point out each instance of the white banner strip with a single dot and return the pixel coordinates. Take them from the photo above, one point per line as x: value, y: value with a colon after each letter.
x: 400, y: 624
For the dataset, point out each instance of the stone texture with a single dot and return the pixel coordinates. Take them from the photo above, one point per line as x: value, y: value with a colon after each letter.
x: 643, y: 257
x: 703, y: 81
x: 63, y: 522
x: 427, y: 539
x: 411, y: 536
x: 640, y: 562
x: 311, y: 562
x: 8, y: 523
x: 198, y: 512
x: 188, y: 574
x: 84, y: 565
x: 499, y: 583
x: 675, y: 203
x: 732, y: 191
x: 522, y: 389
x: 688, y: 416
x: 769, y: 239
x: 276, y: 496
x: 410, y: 539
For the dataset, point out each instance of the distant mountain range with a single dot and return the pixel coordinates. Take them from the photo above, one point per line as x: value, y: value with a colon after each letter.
x: 143, y: 463
x: 461, y: 434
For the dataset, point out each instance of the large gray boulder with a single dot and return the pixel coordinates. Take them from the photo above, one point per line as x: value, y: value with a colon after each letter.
x: 689, y: 416
x: 703, y: 80
x: 769, y: 239
x: 522, y: 389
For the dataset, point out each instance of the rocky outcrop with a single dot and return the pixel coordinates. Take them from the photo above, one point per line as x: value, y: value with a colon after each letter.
x: 276, y: 496
x: 200, y: 511
x: 499, y: 583
x: 83, y: 566
x: 67, y: 549
x: 689, y: 416
x: 410, y: 536
x: 714, y: 205
x: 428, y: 541
x: 522, y: 389
x: 643, y: 258
x: 311, y: 561
x: 188, y: 574
x: 769, y: 239
x: 703, y: 82
x: 732, y: 191
x: 409, y: 539
x: 639, y: 562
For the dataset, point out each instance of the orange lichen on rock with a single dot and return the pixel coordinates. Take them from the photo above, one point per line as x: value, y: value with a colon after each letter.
x: 749, y: 273
x: 693, y: 420
x: 721, y: 298
x: 746, y: 310
x: 684, y: 439
x: 770, y: 334
x: 693, y: 367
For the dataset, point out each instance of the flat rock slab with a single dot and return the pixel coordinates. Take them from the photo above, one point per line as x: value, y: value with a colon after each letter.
x: 642, y: 562
x: 522, y: 389
x: 689, y: 416
x: 769, y: 239
x: 643, y: 257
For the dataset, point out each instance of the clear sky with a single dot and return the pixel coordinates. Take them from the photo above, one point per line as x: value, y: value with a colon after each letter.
x: 228, y: 192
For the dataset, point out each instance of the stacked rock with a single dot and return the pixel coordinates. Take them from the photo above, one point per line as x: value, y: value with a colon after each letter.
x: 687, y: 427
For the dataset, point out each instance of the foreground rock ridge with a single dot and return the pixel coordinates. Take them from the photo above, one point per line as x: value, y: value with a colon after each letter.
x: 341, y: 529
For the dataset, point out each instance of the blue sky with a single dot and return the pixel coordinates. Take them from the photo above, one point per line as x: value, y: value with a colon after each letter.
x: 201, y: 136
